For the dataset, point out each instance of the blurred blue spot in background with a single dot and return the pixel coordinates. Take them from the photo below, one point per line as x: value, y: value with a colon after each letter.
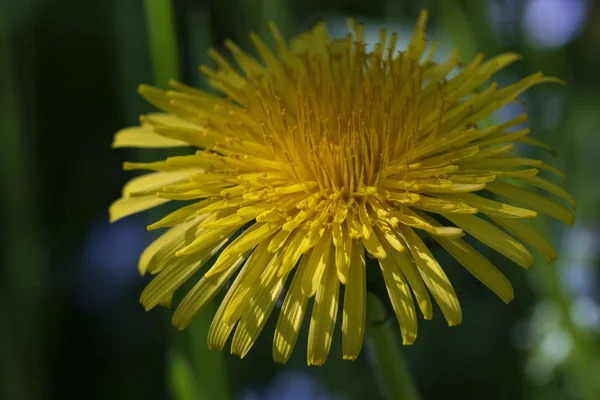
x: 109, y: 259
x: 553, y: 23
x: 292, y: 385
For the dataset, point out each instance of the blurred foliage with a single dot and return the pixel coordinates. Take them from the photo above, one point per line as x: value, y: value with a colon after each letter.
x: 69, y: 70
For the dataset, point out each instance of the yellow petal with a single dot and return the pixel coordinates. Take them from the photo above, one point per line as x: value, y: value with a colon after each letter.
x: 417, y: 43
x: 258, y: 263
x: 156, y: 256
x: 125, y: 207
x: 188, y: 195
x: 180, y: 215
x: 156, y: 119
x: 265, y: 52
x: 196, y: 136
x: 491, y: 207
x: 534, y: 201
x: 374, y: 247
x: 500, y: 163
x: 200, y: 160
x: 316, y: 265
x: 365, y: 221
x: 254, y: 210
x: 220, y: 328
x: 297, y: 220
x: 445, y: 205
x: 402, y: 301
x: 249, y: 64
x: 477, y: 177
x: 354, y: 226
x: 175, y: 274
x: 290, y: 317
x: 479, y: 266
x: 151, y: 166
x: 409, y: 270
x: 528, y: 235
x: 246, y: 241
x: 355, y: 297
x: 324, y: 316
x: 537, y: 143
x: 494, y: 238
x: 341, y: 212
x: 552, y: 188
x: 202, y: 293
x: 458, y: 188
x: 499, y: 139
x: 229, y: 221
x: 434, y: 277
x: 337, y: 235
x: 431, y: 172
x: 410, y: 218
x: 343, y: 256
x: 226, y: 68
x: 476, y: 74
x: 299, y: 244
x: 261, y: 305
x: 278, y: 240
x: 204, y: 239
x: 388, y: 234
x: 223, y: 205
x: 167, y: 301
x: 144, y: 137
x: 444, y: 159
x: 153, y: 182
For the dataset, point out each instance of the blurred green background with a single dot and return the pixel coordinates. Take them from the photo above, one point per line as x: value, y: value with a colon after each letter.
x: 71, y: 326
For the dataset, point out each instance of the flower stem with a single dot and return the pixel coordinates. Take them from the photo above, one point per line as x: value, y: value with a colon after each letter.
x: 162, y: 40
x: 386, y: 357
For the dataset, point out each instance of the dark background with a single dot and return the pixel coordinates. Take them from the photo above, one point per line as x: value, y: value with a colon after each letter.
x: 71, y: 326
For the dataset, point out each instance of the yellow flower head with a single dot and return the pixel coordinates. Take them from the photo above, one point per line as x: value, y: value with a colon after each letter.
x: 321, y: 154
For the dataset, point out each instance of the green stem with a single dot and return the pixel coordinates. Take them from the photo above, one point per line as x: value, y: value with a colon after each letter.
x: 386, y: 357
x: 162, y: 40
x: 211, y: 366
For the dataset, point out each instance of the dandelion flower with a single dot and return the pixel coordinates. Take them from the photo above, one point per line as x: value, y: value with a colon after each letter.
x: 319, y: 156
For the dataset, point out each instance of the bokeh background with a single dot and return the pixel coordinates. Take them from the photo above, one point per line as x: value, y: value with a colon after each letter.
x: 71, y: 326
